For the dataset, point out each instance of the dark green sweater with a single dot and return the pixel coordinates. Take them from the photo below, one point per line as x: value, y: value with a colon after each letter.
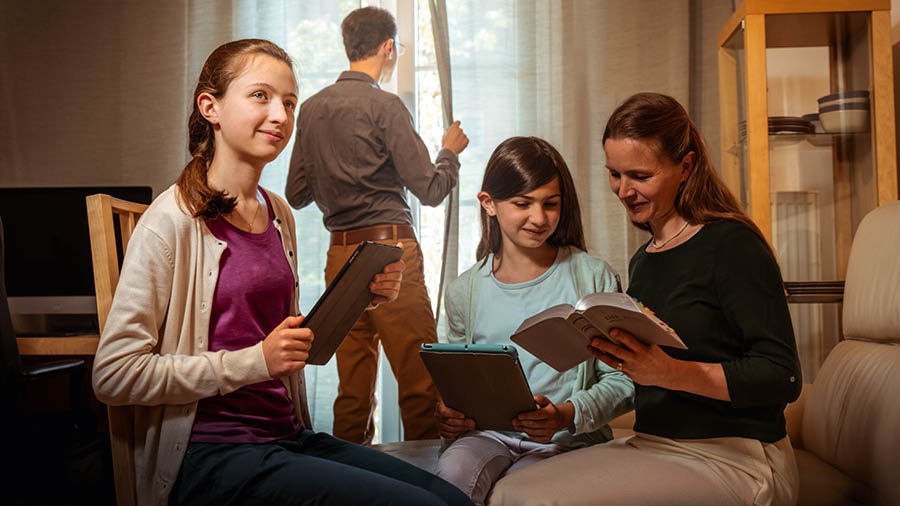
x: 722, y: 292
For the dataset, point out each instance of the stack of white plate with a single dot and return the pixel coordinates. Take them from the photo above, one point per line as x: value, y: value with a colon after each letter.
x: 813, y: 118
x: 781, y: 125
x: 846, y: 111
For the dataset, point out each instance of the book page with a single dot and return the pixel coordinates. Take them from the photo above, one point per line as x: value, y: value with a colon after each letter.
x: 611, y: 299
x: 558, y: 342
x: 559, y: 311
x: 637, y: 323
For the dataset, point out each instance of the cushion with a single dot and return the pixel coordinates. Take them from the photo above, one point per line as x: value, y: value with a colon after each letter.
x: 851, y: 416
x: 871, y: 297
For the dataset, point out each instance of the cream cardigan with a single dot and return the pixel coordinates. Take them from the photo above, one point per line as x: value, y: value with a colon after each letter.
x: 153, y: 353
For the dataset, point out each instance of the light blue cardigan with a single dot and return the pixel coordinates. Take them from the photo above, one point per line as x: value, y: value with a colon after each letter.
x: 601, y: 393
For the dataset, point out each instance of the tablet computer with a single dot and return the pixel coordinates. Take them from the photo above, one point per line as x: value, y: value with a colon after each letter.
x: 483, y: 381
x: 345, y: 299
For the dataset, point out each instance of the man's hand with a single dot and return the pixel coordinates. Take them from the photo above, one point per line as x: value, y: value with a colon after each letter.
x: 286, y: 348
x: 454, y: 139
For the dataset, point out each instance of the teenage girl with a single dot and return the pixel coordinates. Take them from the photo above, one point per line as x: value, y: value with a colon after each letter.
x: 202, y: 336
x: 531, y: 256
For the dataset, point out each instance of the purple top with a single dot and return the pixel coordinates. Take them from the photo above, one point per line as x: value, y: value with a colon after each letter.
x: 253, y: 295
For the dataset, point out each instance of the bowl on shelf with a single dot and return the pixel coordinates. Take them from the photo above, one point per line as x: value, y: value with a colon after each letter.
x: 844, y: 97
x: 846, y: 118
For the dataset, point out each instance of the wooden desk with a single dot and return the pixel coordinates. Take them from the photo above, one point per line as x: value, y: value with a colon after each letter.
x: 64, y: 345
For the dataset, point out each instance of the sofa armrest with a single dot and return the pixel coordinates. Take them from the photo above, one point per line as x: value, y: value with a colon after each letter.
x: 793, y: 415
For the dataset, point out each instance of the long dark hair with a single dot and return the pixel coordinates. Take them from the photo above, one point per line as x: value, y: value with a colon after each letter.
x: 221, y: 67
x: 660, y: 121
x: 518, y: 166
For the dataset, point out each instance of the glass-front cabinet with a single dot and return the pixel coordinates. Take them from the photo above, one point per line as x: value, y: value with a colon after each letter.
x: 808, y: 144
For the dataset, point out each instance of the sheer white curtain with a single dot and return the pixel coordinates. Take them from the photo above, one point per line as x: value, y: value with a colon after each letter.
x: 557, y: 70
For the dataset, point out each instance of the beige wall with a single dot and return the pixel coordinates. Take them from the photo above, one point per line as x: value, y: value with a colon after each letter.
x: 91, y: 92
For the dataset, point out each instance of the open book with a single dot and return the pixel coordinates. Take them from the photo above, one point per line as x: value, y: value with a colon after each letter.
x: 561, y: 334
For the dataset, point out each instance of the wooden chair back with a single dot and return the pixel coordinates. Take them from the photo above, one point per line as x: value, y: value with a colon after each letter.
x: 102, y: 210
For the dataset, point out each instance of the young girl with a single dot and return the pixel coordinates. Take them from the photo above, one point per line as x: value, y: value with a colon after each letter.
x: 202, y: 336
x: 532, y: 256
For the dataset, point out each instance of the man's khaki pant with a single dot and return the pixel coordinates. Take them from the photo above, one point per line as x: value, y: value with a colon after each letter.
x: 401, y: 326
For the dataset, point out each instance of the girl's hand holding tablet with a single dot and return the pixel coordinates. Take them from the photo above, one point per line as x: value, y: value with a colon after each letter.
x: 542, y: 423
x: 286, y: 348
x: 451, y: 423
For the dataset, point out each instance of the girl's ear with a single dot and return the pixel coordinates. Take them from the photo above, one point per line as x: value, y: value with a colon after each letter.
x: 687, y: 165
x: 208, y: 106
x: 487, y: 203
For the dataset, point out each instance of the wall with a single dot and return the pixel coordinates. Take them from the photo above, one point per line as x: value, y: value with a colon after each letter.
x: 91, y: 93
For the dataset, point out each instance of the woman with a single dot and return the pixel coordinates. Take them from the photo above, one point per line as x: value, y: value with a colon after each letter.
x: 709, y: 426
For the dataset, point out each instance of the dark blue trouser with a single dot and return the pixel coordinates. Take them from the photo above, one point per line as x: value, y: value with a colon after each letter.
x: 309, y: 468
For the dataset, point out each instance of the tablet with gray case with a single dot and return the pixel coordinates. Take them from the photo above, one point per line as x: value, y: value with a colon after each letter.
x: 483, y: 381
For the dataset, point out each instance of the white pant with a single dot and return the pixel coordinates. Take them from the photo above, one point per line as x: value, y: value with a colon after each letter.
x: 477, y: 459
x: 644, y: 470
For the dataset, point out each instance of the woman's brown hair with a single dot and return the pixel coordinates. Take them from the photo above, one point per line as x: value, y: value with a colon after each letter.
x: 221, y: 67
x: 663, y: 123
x: 520, y: 165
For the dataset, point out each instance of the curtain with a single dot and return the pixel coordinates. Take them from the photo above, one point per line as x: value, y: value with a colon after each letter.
x: 441, y: 40
x: 557, y: 70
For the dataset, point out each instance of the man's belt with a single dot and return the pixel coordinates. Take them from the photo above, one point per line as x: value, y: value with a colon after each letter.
x: 376, y: 233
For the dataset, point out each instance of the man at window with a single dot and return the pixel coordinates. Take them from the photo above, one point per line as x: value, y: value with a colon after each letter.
x: 355, y: 154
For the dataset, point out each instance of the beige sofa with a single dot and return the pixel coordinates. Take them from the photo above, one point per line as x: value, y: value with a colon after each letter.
x: 845, y: 427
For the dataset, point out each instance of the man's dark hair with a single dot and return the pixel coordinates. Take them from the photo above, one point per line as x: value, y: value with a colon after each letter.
x: 364, y: 31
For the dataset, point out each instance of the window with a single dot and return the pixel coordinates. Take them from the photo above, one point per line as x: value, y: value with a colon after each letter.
x: 485, y: 90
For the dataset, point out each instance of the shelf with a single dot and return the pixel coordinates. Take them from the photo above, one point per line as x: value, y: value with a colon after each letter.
x: 786, y: 139
x: 814, y: 292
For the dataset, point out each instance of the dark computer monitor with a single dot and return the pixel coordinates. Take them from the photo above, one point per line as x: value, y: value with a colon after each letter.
x: 48, y: 248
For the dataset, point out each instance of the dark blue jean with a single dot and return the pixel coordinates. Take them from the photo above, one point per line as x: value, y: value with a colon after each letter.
x: 309, y: 468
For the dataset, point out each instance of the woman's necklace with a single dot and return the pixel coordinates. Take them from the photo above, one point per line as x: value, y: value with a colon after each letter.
x: 251, y: 222
x: 667, y: 241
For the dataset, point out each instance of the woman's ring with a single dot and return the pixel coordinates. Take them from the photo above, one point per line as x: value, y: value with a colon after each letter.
x: 619, y: 367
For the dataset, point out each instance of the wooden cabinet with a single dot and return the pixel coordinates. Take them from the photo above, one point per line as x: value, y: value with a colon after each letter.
x: 776, y: 58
